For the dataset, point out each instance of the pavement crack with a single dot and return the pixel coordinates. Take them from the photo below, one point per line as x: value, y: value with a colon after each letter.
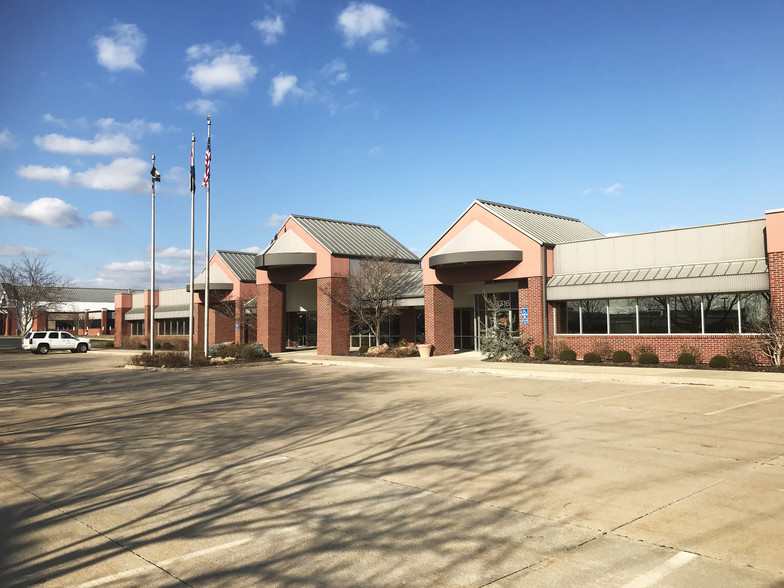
x: 93, y: 529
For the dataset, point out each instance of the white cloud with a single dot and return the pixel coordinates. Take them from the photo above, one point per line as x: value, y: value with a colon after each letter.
x: 19, y: 250
x: 335, y: 71
x: 7, y: 140
x: 137, y: 128
x: 275, y: 220
x: 368, y: 23
x: 136, y: 275
x: 102, y: 218
x: 50, y: 118
x: 61, y: 174
x: 101, y: 145
x: 252, y: 250
x: 202, y: 106
x: 219, y: 68
x: 614, y: 189
x: 270, y: 28
x: 283, y: 85
x: 122, y: 49
x: 374, y: 151
x: 127, y: 174
x: 174, y: 253
x: 51, y: 212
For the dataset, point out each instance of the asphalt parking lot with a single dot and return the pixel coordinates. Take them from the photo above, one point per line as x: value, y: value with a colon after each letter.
x: 320, y: 475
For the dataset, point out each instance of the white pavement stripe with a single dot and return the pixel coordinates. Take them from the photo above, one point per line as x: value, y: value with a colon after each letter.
x: 627, y: 394
x: 152, y: 567
x: 661, y: 571
x: 744, y: 404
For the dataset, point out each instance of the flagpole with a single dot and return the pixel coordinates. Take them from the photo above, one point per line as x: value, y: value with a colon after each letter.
x: 152, y: 264
x: 207, y: 255
x: 192, y: 293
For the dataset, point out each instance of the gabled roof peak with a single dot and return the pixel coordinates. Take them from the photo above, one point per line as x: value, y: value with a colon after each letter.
x: 521, y: 209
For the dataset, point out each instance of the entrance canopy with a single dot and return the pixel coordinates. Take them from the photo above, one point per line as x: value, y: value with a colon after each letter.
x: 474, y: 245
x: 286, y: 251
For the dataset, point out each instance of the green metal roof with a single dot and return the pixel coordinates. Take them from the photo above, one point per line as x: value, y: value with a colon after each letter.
x: 543, y: 227
x: 354, y: 239
x: 90, y: 295
x: 241, y: 264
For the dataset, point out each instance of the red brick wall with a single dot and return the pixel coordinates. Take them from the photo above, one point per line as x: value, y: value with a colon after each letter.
x: 222, y: 327
x: 776, y: 269
x: 440, y: 318
x: 333, y: 327
x: 270, y: 316
x: 530, y: 297
x: 198, y: 325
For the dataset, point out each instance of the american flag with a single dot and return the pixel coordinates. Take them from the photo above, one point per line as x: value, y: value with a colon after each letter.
x: 193, y: 172
x: 207, y: 158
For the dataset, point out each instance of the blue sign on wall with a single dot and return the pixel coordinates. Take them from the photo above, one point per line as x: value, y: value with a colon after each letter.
x: 524, y: 316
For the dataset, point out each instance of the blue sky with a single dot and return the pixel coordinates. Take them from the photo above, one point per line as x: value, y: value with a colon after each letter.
x: 631, y: 116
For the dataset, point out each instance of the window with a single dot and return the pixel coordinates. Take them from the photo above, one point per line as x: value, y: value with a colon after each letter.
x: 709, y: 313
x: 178, y: 326
x: 137, y: 327
x: 594, y: 314
x: 685, y: 314
x: 653, y: 314
x: 720, y: 312
x: 623, y: 315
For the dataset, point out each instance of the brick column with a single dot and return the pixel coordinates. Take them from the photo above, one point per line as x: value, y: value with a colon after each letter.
x: 122, y: 328
x: 198, y: 324
x: 270, y: 314
x: 105, y: 330
x: 440, y: 319
x: 530, y: 297
x: 333, y: 330
x: 776, y: 273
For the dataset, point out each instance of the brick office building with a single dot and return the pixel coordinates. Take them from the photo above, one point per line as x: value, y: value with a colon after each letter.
x: 561, y: 280
x: 302, y: 284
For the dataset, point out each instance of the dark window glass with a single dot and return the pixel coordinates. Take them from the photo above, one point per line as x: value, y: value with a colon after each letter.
x: 685, y: 314
x: 53, y: 335
x: 721, y: 313
x: 754, y: 311
x: 653, y: 314
x: 568, y: 317
x: 594, y: 317
x: 623, y: 315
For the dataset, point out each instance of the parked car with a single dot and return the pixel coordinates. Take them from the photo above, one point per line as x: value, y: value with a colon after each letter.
x: 45, y: 341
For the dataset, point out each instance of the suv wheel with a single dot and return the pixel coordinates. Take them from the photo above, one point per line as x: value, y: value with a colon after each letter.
x: 43, y: 349
x: 81, y: 348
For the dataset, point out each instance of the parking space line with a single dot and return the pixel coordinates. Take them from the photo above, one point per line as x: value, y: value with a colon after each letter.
x: 147, y: 569
x: 659, y: 572
x: 627, y: 394
x: 744, y: 404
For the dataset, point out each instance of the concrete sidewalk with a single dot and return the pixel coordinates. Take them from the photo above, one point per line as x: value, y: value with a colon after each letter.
x: 472, y: 362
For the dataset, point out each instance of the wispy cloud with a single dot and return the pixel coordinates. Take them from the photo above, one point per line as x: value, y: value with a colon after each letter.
x: 136, y: 275
x: 373, y: 25
x: 202, y: 106
x: 121, y: 49
x: 335, y: 71
x: 101, y: 145
x: 614, y: 189
x: 283, y: 85
x: 127, y: 174
x: 19, y: 250
x: 275, y: 220
x: 102, y: 219
x: 219, y: 68
x: 374, y: 150
x: 51, y: 212
x: 252, y: 250
x: 7, y: 140
x: 270, y: 28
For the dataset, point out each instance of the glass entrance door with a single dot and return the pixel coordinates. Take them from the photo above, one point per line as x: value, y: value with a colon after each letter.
x: 306, y: 329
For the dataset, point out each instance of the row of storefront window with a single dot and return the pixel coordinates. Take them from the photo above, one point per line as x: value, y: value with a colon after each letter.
x: 706, y: 313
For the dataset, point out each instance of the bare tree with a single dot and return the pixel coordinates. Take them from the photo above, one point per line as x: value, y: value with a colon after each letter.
x: 241, y: 310
x: 772, y: 331
x: 31, y: 288
x: 376, y: 286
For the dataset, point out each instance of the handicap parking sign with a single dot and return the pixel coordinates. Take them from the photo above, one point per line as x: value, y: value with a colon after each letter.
x: 524, y: 316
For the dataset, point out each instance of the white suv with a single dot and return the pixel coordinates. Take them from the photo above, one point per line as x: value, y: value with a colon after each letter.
x: 45, y: 341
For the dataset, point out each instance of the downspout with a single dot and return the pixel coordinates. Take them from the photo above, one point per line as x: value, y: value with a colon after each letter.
x: 545, y: 329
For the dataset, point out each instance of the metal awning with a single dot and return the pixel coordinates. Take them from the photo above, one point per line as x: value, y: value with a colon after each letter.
x: 288, y: 250
x: 475, y: 244
x: 135, y: 314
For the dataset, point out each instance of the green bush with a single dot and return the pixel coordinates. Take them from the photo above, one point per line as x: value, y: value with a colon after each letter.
x: 719, y: 362
x: 621, y: 356
x: 167, y: 359
x: 539, y: 352
x: 567, y: 355
x: 686, y: 359
x: 648, y: 358
x: 253, y: 351
x: 592, y: 357
x: 217, y: 350
x: 363, y: 349
x: 167, y: 345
